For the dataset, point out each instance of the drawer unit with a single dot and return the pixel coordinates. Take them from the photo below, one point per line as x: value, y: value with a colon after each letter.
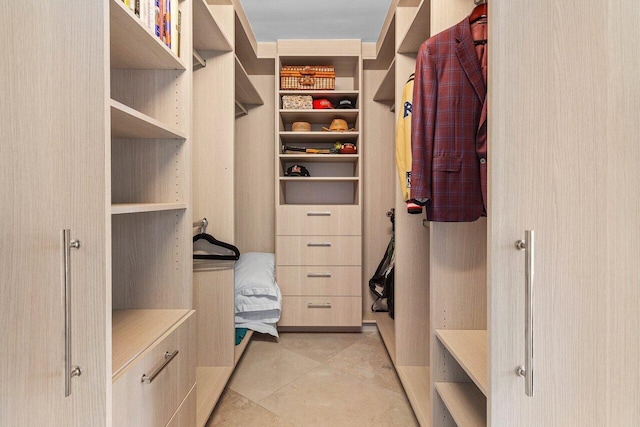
x: 319, y: 220
x: 168, y: 367
x: 318, y: 250
x: 186, y: 413
x: 319, y: 280
x: 321, y: 311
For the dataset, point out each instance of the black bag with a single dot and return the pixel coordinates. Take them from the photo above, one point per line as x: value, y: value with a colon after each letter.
x: 381, y: 284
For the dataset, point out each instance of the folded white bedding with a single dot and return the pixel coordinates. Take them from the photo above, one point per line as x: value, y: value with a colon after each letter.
x: 258, y: 300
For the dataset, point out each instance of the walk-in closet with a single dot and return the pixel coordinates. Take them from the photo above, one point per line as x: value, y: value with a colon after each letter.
x: 195, y: 214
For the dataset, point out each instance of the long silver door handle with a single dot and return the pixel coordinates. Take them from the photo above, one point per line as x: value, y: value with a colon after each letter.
x: 168, y: 357
x: 526, y: 371
x: 69, y: 370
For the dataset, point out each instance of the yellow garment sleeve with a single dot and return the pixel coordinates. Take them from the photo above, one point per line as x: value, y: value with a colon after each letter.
x: 403, y: 139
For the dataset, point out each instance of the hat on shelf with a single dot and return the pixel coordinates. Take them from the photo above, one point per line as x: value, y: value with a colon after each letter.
x: 296, y: 170
x: 301, y: 127
x: 345, y: 103
x: 322, y: 104
x: 338, y: 125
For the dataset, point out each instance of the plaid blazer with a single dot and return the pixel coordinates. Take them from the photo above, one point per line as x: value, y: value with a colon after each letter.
x: 449, y: 127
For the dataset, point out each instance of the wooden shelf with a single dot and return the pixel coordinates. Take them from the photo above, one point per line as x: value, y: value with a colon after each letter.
x: 387, y: 90
x: 332, y: 95
x: 129, y: 208
x: 134, y: 47
x: 319, y: 116
x: 240, y: 348
x: 466, y: 404
x: 321, y: 158
x: 304, y: 137
x: 207, y: 34
x: 419, y: 31
x: 210, y: 382
x: 246, y: 93
x: 319, y: 179
x: 469, y: 348
x: 133, y: 331
x: 386, y: 327
x: 129, y: 123
x: 416, y: 383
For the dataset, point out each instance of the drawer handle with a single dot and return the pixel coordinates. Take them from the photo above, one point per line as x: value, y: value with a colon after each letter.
x: 319, y: 305
x: 318, y: 213
x: 319, y: 244
x: 327, y: 274
x: 168, y: 357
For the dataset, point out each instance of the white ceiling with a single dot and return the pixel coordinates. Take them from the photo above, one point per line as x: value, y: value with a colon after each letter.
x: 319, y: 19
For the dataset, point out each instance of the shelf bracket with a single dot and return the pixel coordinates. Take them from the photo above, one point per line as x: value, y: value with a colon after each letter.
x: 198, y: 61
x: 241, y: 110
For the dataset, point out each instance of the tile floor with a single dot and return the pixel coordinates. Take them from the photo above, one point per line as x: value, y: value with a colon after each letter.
x: 314, y: 379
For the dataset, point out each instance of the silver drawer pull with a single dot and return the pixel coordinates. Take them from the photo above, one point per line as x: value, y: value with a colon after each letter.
x: 319, y: 244
x: 327, y: 274
x: 318, y: 213
x: 319, y: 305
x: 168, y: 357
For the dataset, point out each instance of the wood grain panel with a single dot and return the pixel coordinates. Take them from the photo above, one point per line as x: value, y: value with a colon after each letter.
x: 321, y: 311
x: 186, y: 413
x: 465, y: 403
x: 416, y: 383
x: 213, y: 299
x: 319, y: 280
x: 304, y: 250
x: 319, y: 220
x: 53, y: 133
x: 136, y: 403
x: 209, y: 387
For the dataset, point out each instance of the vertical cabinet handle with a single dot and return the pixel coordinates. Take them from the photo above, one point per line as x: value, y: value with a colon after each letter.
x: 69, y: 370
x: 526, y: 371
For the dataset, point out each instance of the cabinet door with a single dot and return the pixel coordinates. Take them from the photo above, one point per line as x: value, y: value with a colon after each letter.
x: 52, y: 177
x: 564, y: 156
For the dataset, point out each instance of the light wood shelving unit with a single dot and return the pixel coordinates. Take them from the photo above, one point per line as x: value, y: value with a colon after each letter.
x: 469, y: 348
x: 406, y: 336
x: 222, y: 89
x: 464, y: 402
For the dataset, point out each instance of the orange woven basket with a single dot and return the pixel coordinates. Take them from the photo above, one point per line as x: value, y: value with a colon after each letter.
x: 307, y: 77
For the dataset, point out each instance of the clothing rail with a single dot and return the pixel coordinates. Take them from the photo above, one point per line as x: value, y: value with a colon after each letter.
x: 477, y: 2
x: 203, y: 223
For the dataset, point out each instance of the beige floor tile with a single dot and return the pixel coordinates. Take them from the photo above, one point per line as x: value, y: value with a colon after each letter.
x: 330, y: 397
x: 399, y: 414
x: 266, y: 367
x: 318, y: 346
x: 235, y: 410
x: 368, y: 359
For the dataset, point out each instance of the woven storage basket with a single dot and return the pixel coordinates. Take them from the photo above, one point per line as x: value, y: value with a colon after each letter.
x: 309, y: 77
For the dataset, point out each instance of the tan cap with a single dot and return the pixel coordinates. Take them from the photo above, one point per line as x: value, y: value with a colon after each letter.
x: 301, y: 127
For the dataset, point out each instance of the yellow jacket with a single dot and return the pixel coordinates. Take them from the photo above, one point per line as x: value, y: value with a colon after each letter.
x: 403, y: 140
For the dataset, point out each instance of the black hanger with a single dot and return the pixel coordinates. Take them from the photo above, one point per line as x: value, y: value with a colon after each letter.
x: 225, y: 256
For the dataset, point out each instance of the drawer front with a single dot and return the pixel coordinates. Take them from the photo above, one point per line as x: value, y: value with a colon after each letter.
x: 318, y: 220
x: 318, y: 250
x: 321, y: 311
x: 320, y: 280
x: 136, y: 403
x: 186, y: 413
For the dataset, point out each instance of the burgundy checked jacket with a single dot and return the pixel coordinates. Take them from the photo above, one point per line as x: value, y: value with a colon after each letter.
x: 449, y: 127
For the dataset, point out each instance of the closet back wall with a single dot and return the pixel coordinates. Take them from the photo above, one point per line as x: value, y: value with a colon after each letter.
x: 254, y: 178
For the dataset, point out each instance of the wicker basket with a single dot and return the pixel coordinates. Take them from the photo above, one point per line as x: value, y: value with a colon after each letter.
x: 307, y: 77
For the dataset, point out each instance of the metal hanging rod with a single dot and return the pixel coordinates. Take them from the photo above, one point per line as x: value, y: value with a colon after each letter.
x: 203, y: 223
x: 477, y: 2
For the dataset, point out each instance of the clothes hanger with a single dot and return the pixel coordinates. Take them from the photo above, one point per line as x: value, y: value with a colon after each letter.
x: 215, y: 242
x: 479, y: 12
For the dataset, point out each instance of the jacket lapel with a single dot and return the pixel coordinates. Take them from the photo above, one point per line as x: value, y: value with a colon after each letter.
x: 468, y: 58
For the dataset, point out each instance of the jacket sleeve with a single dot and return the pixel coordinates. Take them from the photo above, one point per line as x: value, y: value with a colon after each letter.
x: 425, y: 96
